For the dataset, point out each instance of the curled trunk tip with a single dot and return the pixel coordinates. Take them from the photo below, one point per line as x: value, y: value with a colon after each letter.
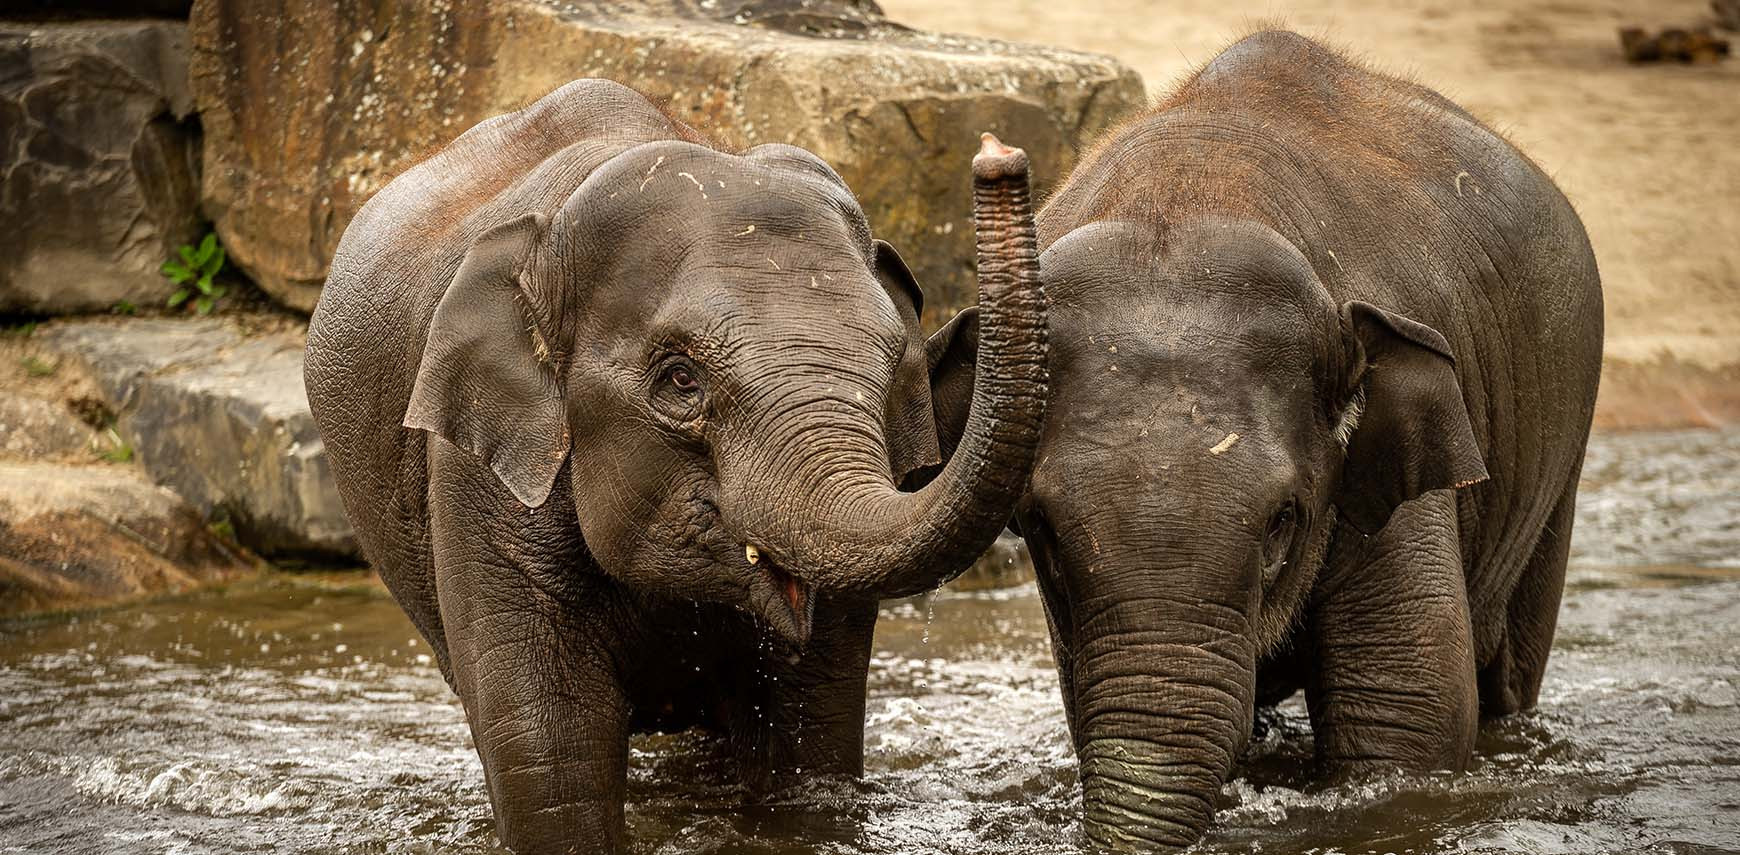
x: 996, y: 161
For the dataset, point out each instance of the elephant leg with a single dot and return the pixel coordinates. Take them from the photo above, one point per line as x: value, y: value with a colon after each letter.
x: 1393, y: 682
x: 1512, y: 681
x: 538, y: 674
x: 817, y: 703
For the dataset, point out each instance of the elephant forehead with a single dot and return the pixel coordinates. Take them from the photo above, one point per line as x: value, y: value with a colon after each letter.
x: 803, y: 309
x: 1144, y: 400
x: 689, y: 190
x: 1137, y: 347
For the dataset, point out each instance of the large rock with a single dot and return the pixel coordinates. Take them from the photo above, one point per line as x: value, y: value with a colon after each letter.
x: 310, y: 107
x: 39, y: 429
x: 73, y: 536
x: 218, y: 413
x: 98, y: 163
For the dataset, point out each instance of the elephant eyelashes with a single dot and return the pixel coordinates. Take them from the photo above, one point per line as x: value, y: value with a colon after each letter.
x: 677, y: 394
x: 1278, y: 541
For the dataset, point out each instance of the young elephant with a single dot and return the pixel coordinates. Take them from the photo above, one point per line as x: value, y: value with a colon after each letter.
x: 1324, y: 358
x: 658, y: 397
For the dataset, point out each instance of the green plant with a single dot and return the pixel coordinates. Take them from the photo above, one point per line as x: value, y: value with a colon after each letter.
x: 194, y: 272
x: 22, y: 330
x: 124, y: 307
x: 221, y: 527
x: 36, y: 367
x: 120, y: 451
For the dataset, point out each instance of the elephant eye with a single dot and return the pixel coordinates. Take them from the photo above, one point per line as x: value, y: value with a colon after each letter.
x: 677, y: 394
x: 1278, y: 541
x: 681, y: 377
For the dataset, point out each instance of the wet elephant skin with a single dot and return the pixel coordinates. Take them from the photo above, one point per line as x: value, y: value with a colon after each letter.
x: 1324, y: 357
x: 619, y: 417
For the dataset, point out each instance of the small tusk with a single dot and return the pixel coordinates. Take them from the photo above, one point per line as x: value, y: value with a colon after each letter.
x: 751, y: 554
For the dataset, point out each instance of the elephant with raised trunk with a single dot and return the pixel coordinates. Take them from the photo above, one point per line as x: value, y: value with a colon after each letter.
x: 619, y: 418
x: 1324, y: 358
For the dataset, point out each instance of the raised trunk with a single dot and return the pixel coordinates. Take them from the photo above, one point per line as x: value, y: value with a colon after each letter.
x: 1163, y: 700
x: 878, y: 540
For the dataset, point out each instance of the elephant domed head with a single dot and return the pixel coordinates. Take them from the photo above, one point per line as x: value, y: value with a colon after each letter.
x: 730, y: 371
x: 1214, y: 415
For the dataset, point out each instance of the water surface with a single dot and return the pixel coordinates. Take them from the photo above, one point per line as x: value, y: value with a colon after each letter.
x: 300, y: 714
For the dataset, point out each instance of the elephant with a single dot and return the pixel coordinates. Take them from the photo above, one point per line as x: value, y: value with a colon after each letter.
x: 1324, y: 356
x: 619, y: 417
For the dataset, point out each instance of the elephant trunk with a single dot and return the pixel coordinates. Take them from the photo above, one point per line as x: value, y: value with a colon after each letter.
x: 1163, y: 699
x: 883, y: 542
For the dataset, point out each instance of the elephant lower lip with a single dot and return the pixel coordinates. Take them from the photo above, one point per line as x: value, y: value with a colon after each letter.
x: 793, y: 609
x: 791, y: 587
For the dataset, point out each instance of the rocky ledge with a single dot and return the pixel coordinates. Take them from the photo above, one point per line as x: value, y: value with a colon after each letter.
x: 79, y: 535
x: 215, y: 410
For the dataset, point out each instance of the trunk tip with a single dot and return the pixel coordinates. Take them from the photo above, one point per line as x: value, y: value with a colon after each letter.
x: 996, y: 160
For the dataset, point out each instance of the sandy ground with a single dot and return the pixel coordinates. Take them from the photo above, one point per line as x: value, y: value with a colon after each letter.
x: 1649, y: 155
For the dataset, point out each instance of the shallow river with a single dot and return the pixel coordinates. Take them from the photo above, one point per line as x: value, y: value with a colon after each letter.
x: 300, y: 715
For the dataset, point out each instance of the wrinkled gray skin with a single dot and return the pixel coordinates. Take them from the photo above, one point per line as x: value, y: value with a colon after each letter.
x: 1324, y: 358
x: 619, y: 417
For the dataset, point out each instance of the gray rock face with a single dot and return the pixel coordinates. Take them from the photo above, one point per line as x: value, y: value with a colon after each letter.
x: 99, y: 168
x: 36, y: 429
x: 221, y: 417
x: 309, y: 107
x: 76, y: 536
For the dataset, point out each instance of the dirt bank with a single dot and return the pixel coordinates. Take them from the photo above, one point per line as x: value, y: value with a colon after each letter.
x: 1648, y: 154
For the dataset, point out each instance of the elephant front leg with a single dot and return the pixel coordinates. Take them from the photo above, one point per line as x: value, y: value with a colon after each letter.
x: 816, y: 725
x: 1392, y: 679
x: 551, y: 727
x: 533, y: 661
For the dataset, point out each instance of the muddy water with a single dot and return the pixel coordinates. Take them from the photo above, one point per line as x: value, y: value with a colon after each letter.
x: 300, y: 715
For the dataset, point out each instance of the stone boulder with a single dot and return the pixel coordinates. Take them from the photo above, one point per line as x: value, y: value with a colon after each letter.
x: 40, y: 429
x: 77, y: 536
x: 98, y: 162
x: 215, y: 410
x: 310, y: 107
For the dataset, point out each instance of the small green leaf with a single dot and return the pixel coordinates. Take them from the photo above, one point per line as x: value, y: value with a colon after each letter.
x: 125, y: 307
x: 179, y: 297
x: 215, y: 263
x: 204, y: 284
x: 187, y: 256
x: 222, y: 529
x: 207, y: 246
x: 119, y: 450
x: 177, y: 271
x: 202, y: 304
x: 219, y: 291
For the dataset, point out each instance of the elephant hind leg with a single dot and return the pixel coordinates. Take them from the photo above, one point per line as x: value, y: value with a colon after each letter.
x: 1512, y: 680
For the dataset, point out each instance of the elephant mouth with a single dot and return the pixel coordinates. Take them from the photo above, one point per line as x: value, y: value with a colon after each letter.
x: 781, y: 599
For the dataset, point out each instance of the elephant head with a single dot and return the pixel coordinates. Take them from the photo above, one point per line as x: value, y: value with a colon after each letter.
x: 731, y: 370
x: 1214, y: 415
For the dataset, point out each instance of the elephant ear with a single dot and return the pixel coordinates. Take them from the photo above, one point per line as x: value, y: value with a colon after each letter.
x: 953, y: 353
x: 1413, y: 434
x: 486, y: 383
x: 911, y: 432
